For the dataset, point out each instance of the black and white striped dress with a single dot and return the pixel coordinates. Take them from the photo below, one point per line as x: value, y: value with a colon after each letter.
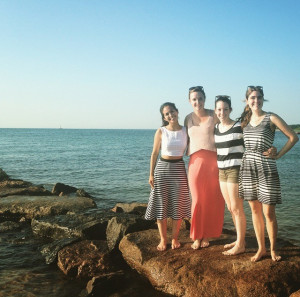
x: 170, y: 196
x: 259, y: 179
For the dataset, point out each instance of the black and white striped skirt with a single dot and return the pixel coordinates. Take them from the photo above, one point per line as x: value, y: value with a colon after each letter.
x: 170, y: 195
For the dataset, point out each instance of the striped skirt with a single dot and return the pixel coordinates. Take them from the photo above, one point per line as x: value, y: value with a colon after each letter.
x: 259, y: 179
x: 170, y: 195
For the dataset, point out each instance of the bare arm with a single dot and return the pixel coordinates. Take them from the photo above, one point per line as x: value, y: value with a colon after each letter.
x: 278, y: 122
x: 154, y: 155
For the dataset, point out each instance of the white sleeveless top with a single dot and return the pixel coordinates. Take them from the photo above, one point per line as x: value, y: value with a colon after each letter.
x: 173, y: 143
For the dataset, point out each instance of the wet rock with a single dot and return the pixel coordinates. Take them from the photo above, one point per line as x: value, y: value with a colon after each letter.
x: 83, y: 225
x: 206, y: 272
x: 49, y: 251
x: 39, y: 206
x: 119, y: 226
x: 134, y: 208
x: 84, y: 259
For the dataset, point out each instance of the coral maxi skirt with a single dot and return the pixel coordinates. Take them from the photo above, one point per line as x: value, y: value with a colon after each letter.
x: 207, y: 200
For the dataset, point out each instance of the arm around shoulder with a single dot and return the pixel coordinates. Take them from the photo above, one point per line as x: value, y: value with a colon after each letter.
x: 293, y: 138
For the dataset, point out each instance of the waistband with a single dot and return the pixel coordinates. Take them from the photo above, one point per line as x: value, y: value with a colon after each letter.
x: 171, y: 160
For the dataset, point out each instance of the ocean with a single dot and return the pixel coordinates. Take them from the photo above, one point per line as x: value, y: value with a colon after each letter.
x: 113, y: 166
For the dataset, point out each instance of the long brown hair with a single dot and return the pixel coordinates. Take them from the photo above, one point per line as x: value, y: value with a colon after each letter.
x: 247, y: 113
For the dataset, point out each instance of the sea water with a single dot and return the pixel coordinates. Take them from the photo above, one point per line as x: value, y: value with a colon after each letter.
x: 112, y: 166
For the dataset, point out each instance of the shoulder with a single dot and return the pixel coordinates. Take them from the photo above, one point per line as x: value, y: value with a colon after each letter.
x: 187, y: 119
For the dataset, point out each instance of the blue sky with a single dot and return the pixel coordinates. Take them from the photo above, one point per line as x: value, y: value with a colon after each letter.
x: 111, y: 64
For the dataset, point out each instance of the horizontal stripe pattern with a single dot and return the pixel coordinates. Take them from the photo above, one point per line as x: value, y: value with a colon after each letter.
x: 170, y: 196
x: 230, y: 146
x: 259, y: 179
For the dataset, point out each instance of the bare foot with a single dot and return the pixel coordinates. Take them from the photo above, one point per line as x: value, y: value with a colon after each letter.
x: 275, y: 257
x: 204, y: 243
x: 196, y: 244
x: 229, y: 245
x: 260, y: 254
x: 234, y: 251
x: 175, y: 244
x: 162, y: 246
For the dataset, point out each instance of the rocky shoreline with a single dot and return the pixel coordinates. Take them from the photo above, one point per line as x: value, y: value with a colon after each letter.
x: 114, y: 250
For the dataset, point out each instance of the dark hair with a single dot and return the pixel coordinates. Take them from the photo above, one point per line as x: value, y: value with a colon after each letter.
x: 170, y: 104
x: 247, y: 113
x: 197, y: 89
x: 225, y: 99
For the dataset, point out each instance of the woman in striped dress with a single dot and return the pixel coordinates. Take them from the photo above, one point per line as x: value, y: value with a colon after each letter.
x: 259, y: 180
x: 230, y: 150
x: 169, y: 195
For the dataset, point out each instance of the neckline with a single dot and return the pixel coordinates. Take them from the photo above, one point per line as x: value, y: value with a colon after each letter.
x: 227, y: 129
x: 181, y: 127
x: 259, y: 122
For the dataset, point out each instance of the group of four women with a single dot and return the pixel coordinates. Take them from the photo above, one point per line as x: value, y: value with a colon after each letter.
x: 228, y: 160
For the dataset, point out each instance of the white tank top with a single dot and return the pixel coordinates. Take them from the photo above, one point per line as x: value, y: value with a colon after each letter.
x: 173, y: 143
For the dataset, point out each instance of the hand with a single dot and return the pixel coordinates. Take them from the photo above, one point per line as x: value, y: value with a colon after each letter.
x: 271, y: 152
x: 151, y: 181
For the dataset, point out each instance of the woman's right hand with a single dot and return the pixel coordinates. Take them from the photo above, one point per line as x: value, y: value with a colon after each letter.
x: 151, y: 181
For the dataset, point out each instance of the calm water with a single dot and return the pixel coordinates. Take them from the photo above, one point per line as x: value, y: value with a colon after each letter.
x: 113, y: 166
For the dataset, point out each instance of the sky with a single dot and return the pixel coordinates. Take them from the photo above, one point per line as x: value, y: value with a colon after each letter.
x: 111, y: 64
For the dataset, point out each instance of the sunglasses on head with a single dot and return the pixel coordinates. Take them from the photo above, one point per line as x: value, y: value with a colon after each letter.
x: 222, y: 97
x: 194, y: 88
x: 255, y: 87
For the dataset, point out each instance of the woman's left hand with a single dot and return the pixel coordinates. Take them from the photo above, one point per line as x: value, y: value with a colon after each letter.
x: 271, y: 152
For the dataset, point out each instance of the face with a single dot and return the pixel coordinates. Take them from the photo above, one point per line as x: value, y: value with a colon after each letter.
x: 255, y: 101
x: 222, y: 111
x: 170, y: 114
x: 197, y: 100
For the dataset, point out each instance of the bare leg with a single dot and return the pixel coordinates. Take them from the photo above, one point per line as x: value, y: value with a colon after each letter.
x: 239, y: 219
x: 175, y: 231
x: 259, y: 228
x: 272, y: 229
x: 225, y: 193
x: 162, y: 228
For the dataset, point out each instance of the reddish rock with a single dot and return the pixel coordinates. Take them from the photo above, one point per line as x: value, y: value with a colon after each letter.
x: 84, y: 259
x: 296, y: 294
x: 206, y: 272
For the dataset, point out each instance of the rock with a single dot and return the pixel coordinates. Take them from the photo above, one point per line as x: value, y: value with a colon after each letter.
x: 49, y: 251
x: 206, y: 272
x: 134, y: 208
x: 119, y: 226
x: 3, y: 175
x: 84, y: 259
x: 39, y: 206
x: 20, y: 187
x: 62, y: 188
x: 84, y: 225
x: 9, y: 226
x: 120, y: 284
x: 82, y: 193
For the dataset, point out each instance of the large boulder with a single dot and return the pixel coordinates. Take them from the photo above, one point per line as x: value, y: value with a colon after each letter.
x: 133, y: 208
x: 120, y: 225
x: 39, y: 206
x: 206, y: 272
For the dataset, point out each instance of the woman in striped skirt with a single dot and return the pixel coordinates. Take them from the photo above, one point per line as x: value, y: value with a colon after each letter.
x: 169, y: 195
x: 259, y: 179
